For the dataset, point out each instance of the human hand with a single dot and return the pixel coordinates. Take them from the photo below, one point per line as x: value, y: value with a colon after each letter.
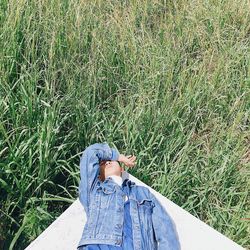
x: 129, y: 160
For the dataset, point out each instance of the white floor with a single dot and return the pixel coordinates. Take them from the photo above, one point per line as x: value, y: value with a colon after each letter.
x: 65, y: 232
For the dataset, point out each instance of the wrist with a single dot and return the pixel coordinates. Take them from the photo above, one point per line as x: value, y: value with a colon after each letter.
x: 121, y: 157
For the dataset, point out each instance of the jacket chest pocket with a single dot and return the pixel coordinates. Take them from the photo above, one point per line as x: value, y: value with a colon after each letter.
x: 106, y: 198
x: 145, y: 206
x: 105, y: 201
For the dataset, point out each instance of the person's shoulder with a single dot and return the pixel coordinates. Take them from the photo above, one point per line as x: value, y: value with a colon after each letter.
x: 142, y: 190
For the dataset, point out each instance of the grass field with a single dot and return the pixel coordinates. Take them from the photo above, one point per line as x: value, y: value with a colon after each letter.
x: 165, y: 80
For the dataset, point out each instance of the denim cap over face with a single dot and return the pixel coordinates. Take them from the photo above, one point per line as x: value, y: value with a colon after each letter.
x: 104, y: 206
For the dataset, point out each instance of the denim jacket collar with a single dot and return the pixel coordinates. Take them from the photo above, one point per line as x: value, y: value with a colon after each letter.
x: 128, y: 183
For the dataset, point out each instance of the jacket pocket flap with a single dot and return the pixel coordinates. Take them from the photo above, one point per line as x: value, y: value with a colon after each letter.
x: 146, y: 202
x: 108, y: 190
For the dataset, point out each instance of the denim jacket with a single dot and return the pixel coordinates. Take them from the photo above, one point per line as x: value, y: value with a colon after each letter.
x: 103, y: 203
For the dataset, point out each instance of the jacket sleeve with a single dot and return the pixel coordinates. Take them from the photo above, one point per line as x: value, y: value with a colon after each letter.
x: 89, y: 168
x: 164, y: 228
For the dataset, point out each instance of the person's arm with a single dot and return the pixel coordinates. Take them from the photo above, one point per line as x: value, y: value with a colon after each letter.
x: 89, y: 168
x: 164, y: 229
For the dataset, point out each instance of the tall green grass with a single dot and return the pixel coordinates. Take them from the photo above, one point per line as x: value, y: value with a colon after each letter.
x: 165, y: 80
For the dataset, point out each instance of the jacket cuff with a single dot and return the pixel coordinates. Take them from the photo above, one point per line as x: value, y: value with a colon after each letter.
x: 115, y: 154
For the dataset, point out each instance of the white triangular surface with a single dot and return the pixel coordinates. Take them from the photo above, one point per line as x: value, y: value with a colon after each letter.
x: 65, y: 232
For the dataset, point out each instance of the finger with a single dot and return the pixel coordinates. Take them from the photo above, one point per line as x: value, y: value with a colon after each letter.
x: 132, y: 159
x: 132, y: 163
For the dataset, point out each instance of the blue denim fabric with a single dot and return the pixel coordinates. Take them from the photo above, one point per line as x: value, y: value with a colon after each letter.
x: 99, y: 247
x: 152, y: 227
x: 127, y: 242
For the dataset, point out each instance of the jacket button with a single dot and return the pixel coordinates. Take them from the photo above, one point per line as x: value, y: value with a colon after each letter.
x: 119, y: 209
x: 118, y: 241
